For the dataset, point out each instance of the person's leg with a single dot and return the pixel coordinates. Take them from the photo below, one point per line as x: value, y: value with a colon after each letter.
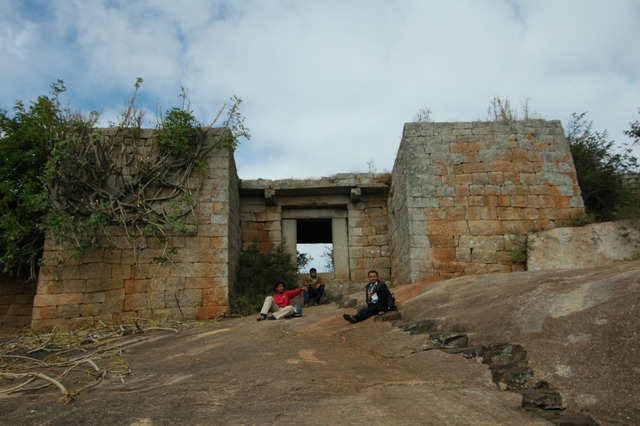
x: 307, y: 295
x: 268, y: 306
x: 365, y: 313
x: 287, y: 311
x: 319, y: 293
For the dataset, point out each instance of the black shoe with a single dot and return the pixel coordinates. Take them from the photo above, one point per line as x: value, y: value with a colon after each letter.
x: 262, y: 317
x: 350, y: 318
x: 271, y: 317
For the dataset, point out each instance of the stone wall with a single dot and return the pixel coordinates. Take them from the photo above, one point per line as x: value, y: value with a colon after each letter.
x: 461, y: 192
x: 459, y: 199
x: 357, y: 200
x: 118, y: 280
x: 16, y: 301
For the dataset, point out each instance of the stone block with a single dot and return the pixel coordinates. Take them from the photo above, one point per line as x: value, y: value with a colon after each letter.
x: 95, y: 255
x: 134, y: 302
x: 440, y: 241
x: 219, y: 242
x: 485, y: 227
x: 113, y: 302
x: 158, y: 270
x: 55, y: 287
x: 447, y: 228
x: 41, y: 300
x: 463, y: 255
x: 220, y: 270
x: 214, y: 296
x: 20, y: 309
x: 198, y: 243
x: 442, y: 254
x: 480, y: 255
x: 44, y: 312
x: 382, y: 265
x: 377, y: 240
x: 185, y: 298
x: 191, y: 270
x: 532, y: 214
x: 200, y: 282
x: 120, y: 272
x: 510, y: 213
x: 113, y: 256
x: 95, y: 271
x: 94, y: 285
x: 89, y: 309
x: 136, y: 286
x: 140, y: 271
x: 98, y: 297
x: 69, y: 272
x: 68, y: 311
x: 476, y: 200
x: 499, y: 268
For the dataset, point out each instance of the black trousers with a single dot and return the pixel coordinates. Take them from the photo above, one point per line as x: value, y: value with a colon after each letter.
x: 370, y: 310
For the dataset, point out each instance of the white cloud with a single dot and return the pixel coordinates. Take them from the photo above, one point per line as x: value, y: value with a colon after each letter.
x: 328, y: 85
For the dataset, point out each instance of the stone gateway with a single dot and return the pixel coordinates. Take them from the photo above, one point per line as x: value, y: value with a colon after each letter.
x: 457, y: 200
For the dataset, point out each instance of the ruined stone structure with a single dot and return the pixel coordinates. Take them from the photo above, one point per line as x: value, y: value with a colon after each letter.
x: 457, y: 199
x: 462, y: 192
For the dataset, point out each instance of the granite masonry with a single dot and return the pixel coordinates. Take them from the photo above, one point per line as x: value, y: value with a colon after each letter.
x: 458, y: 200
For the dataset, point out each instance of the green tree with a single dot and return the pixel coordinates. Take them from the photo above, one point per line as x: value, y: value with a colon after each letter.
x: 26, y: 142
x: 59, y: 173
x: 256, y: 274
x: 302, y: 260
x: 601, y: 172
x: 634, y: 131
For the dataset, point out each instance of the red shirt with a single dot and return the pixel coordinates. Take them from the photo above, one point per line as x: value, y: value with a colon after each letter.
x: 283, y: 299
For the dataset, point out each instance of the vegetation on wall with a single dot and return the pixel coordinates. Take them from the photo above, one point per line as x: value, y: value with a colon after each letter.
x: 59, y: 173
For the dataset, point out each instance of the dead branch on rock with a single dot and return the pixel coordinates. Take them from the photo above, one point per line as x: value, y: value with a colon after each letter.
x: 72, y: 361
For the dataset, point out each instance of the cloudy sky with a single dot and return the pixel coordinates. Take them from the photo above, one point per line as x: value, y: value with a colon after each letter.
x: 327, y: 85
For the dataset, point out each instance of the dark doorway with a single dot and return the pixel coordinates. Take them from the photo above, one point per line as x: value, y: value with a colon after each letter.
x: 314, y: 231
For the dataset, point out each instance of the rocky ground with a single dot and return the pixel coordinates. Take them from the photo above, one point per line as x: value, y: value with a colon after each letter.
x: 579, y: 329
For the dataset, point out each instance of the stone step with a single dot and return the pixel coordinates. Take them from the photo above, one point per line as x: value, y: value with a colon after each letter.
x: 446, y: 341
x: 543, y: 398
x: 508, y: 365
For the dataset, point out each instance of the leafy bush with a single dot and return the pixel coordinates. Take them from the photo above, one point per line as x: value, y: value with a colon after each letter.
x: 258, y: 272
x: 634, y: 256
x: 601, y: 172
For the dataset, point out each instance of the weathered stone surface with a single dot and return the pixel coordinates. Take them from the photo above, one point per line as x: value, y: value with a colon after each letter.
x: 389, y: 316
x: 349, y: 303
x: 596, y: 244
x: 568, y: 321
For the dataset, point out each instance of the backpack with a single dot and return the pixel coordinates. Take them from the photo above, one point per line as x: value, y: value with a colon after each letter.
x: 297, y: 311
x: 392, y: 302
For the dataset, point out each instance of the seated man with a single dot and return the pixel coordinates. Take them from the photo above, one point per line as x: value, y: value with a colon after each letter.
x: 378, y: 298
x: 279, y: 303
x: 313, y: 287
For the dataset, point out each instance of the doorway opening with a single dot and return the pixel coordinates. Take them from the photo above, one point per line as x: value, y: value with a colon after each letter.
x: 315, y: 240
